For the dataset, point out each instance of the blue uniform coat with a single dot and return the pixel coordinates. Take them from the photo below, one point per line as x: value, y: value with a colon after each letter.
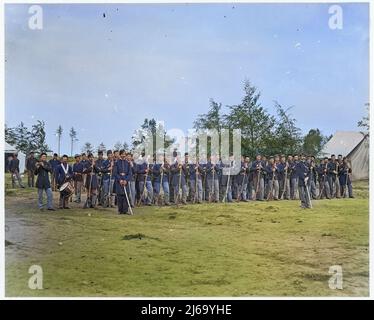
x: 121, y: 172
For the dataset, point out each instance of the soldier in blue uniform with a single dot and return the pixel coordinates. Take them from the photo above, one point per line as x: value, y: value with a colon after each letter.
x: 178, y: 171
x: 312, y: 181
x: 258, y: 171
x: 187, y: 174
x: 116, y: 155
x: 115, y: 158
x: 250, y: 186
x: 235, y: 181
x: 137, y: 159
x: 54, y: 163
x: 332, y: 177
x: 242, y: 180
x: 14, y: 170
x: 132, y: 179
x: 144, y: 176
x: 293, y: 177
x: 30, y: 167
x: 284, y: 178
x: 196, y: 184
x: 302, y: 171
x: 78, y: 178
x: 108, y: 180
x: 202, y: 169
x: 227, y: 175
x: 121, y: 172
x: 264, y: 160
x: 345, y: 180
x: 64, y: 173
x: 100, y: 171
x: 84, y: 161
x: 324, y: 188
x: 161, y: 172
x: 279, y: 175
x: 171, y: 161
x: 91, y: 182
x: 340, y: 159
x: 272, y: 176
x: 265, y: 163
x: 212, y: 178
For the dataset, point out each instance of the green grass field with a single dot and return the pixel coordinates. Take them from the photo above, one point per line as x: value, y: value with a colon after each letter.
x: 241, y: 249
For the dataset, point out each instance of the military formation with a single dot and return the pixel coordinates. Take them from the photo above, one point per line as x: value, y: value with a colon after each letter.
x: 123, y: 180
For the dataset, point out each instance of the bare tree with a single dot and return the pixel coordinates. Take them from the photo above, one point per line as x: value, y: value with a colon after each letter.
x: 73, y: 138
x: 59, y: 134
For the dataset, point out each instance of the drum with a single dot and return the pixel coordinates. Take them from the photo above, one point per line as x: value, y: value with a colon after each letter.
x: 67, y: 190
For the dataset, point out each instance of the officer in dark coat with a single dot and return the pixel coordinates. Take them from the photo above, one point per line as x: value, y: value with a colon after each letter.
x: 121, y: 172
x: 42, y: 170
x: 64, y: 173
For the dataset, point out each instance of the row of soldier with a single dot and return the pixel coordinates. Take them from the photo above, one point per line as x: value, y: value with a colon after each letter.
x: 120, y: 180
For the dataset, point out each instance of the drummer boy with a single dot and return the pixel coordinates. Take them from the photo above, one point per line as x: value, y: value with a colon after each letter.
x: 64, y: 173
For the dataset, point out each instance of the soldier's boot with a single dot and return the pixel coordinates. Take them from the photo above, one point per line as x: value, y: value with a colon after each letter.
x: 112, y: 199
x: 60, y: 204
x: 93, y: 202
x: 184, y: 199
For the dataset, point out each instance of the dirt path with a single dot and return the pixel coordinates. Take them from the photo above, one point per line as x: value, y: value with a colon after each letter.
x: 27, y: 232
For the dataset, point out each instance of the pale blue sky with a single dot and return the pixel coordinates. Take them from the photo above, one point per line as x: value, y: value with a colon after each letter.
x: 105, y: 75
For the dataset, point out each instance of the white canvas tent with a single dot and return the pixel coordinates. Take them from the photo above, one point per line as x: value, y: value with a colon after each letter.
x: 10, y: 150
x: 353, y: 145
